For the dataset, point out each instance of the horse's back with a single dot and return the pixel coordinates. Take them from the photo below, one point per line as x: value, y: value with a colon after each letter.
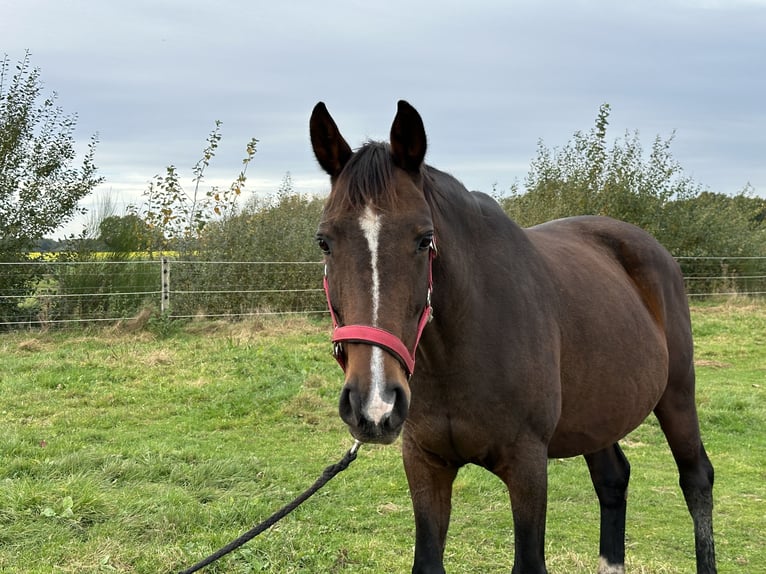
x: 654, y: 272
x: 624, y: 324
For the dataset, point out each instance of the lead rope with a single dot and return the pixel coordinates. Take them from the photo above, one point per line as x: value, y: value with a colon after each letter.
x: 328, y: 474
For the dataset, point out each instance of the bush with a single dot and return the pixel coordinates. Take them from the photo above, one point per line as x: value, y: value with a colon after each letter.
x: 17, y: 280
x: 280, y: 230
x: 110, y: 285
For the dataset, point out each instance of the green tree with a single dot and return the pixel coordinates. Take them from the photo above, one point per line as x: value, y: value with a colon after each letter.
x: 127, y: 233
x: 714, y: 225
x: 40, y: 189
x: 587, y: 177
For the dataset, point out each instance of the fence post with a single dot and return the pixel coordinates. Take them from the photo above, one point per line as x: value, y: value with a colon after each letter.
x: 165, y: 296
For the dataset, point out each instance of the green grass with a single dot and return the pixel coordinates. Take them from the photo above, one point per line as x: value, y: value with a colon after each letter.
x: 142, y: 451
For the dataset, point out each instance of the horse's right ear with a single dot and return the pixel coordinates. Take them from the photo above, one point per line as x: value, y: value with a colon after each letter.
x: 331, y: 150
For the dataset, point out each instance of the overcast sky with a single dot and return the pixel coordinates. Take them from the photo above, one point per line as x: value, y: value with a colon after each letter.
x: 490, y: 78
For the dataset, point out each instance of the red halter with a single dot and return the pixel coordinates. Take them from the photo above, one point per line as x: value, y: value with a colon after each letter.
x: 369, y: 335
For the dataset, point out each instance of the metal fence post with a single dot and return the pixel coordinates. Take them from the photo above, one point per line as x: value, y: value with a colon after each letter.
x: 165, y: 296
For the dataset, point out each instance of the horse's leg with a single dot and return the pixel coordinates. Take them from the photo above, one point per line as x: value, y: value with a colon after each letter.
x: 677, y: 414
x: 526, y: 477
x: 430, y: 480
x: 610, y: 473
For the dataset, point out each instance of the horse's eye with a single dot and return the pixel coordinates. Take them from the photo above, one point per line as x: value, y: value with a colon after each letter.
x: 426, y: 242
x: 323, y: 245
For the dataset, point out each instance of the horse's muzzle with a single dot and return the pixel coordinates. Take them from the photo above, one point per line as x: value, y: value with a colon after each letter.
x: 380, y: 425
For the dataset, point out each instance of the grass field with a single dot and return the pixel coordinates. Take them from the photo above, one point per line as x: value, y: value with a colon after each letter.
x: 142, y: 450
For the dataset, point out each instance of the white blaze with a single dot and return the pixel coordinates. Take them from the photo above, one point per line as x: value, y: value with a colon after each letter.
x: 370, y: 224
x: 378, y: 406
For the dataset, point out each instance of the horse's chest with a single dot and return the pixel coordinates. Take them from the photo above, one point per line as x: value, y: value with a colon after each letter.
x: 452, y: 439
x: 460, y: 428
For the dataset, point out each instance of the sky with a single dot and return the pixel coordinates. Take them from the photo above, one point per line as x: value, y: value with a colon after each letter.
x: 491, y: 80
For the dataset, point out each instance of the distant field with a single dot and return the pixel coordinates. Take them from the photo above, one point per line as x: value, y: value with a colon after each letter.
x: 103, y: 255
x: 142, y: 450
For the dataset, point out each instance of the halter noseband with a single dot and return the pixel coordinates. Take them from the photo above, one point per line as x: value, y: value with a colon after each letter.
x: 369, y: 335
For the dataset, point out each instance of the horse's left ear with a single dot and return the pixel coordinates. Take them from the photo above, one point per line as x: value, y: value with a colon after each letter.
x: 408, y: 138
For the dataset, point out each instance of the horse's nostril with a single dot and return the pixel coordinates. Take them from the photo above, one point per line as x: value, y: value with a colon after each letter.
x: 390, y: 423
x: 349, y: 407
x: 401, y: 408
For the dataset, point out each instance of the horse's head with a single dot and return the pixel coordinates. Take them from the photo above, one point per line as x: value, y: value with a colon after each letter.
x: 377, y: 234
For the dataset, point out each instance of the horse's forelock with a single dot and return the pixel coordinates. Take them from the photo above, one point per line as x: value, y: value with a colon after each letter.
x: 367, y: 179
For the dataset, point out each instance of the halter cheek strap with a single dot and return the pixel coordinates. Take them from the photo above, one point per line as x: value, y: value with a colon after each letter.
x: 369, y: 335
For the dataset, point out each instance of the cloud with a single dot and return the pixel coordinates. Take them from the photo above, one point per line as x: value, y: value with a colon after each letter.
x: 489, y: 78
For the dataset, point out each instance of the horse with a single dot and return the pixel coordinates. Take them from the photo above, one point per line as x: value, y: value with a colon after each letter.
x: 547, y: 342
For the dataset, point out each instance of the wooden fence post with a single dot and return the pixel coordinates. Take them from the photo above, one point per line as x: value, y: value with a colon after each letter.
x: 165, y: 297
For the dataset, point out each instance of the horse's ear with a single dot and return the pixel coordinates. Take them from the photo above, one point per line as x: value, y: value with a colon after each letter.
x: 331, y: 150
x: 408, y: 138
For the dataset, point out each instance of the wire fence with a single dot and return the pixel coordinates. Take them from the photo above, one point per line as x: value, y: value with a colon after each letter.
x: 50, y: 293
x: 724, y: 276
x: 61, y: 292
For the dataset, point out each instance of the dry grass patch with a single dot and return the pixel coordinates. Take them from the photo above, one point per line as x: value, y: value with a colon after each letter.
x: 30, y: 346
x: 711, y: 363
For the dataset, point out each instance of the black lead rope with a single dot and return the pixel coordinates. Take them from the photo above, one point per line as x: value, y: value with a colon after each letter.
x: 328, y: 474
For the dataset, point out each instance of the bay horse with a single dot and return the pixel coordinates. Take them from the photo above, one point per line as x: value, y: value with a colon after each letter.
x: 551, y: 341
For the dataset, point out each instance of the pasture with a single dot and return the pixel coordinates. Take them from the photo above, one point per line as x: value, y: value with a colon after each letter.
x: 141, y: 450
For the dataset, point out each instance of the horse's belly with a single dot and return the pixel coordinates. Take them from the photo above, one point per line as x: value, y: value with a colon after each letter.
x: 595, y: 429
x: 608, y: 394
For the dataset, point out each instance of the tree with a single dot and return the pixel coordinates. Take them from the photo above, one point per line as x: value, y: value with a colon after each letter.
x: 180, y: 216
x: 40, y: 189
x: 715, y: 224
x: 586, y: 177
x: 127, y: 233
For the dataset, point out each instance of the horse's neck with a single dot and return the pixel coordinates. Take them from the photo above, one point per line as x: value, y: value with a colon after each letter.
x: 479, y: 246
